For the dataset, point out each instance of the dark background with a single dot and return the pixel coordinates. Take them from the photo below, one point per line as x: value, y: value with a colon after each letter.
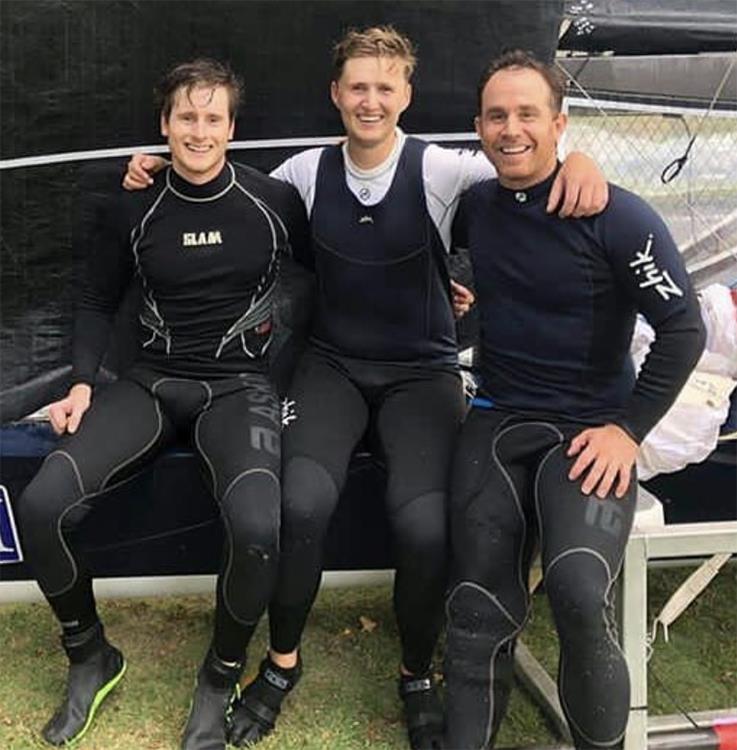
x: 80, y: 75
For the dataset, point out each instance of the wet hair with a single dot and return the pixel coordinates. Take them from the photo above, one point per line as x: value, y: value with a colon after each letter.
x: 516, y: 59
x: 375, y: 41
x: 202, y: 72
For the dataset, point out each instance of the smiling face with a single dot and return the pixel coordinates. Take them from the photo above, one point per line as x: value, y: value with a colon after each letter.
x: 518, y: 126
x: 198, y: 129
x: 371, y: 94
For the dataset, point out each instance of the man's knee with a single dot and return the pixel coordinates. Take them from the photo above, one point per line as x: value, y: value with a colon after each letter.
x: 577, y: 586
x: 476, y: 616
x: 251, y: 509
x: 420, y: 524
x: 310, y: 495
x: 53, y: 491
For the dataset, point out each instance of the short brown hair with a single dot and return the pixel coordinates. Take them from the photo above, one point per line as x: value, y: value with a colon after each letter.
x: 517, y: 58
x: 375, y: 41
x: 200, y: 72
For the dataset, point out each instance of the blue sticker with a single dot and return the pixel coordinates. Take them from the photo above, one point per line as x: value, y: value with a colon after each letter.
x: 10, y: 551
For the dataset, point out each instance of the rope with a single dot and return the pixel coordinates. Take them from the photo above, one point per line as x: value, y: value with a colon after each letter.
x: 674, y: 168
x: 645, y: 157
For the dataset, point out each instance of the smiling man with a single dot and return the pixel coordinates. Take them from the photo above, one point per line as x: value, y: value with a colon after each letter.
x: 546, y: 456
x: 381, y: 360
x: 205, y: 244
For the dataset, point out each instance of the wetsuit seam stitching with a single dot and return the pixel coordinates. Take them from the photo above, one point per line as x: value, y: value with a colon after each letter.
x: 518, y: 505
x: 136, y: 236
x: 81, y: 501
x: 597, y: 555
x: 266, y: 299
x: 59, y: 533
x: 203, y: 452
x: 140, y: 452
x: 246, y: 472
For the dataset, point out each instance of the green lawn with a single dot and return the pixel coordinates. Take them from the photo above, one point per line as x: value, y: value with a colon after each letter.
x: 347, y: 698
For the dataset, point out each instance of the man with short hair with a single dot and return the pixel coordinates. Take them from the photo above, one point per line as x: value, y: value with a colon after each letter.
x: 205, y: 245
x: 382, y: 359
x: 546, y: 456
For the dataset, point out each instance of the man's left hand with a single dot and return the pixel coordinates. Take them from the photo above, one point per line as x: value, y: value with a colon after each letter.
x: 463, y: 298
x: 609, y: 454
x: 581, y: 187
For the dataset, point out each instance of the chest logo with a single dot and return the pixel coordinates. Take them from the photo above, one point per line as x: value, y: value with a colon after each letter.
x: 199, y: 239
x: 366, y: 219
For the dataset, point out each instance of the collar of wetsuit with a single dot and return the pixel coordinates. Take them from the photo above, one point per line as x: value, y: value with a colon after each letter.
x: 530, y: 195
x: 206, y: 190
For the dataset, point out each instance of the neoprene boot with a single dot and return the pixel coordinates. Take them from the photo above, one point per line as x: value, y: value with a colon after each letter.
x: 423, y: 712
x: 259, y: 706
x: 215, y: 691
x: 95, y: 668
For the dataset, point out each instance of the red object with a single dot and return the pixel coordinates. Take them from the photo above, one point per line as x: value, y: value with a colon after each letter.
x: 727, y: 733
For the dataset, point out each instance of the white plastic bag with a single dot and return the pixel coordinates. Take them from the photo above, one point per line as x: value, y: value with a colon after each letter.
x: 689, y: 431
x: 719, y: 312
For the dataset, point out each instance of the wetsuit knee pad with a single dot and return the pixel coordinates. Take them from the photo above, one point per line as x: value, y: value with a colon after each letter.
x: 251, y: 508
x: 479, y: 665
x: 250, y: 511
x: 592, y: 678
x: 577, y: 587
x: 48, y: 509
x: 420, y: 523
x: 309, y: 496
x: 478, y: 626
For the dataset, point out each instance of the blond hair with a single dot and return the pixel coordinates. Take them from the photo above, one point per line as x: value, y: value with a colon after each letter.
x: 375, y: 41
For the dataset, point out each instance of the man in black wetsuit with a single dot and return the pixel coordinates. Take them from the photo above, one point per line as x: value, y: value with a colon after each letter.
x: 204, y: 244
x: 546, y: 455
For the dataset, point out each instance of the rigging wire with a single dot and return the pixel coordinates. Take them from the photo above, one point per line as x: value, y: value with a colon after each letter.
x: 721, y: 240
x: 673, y: 169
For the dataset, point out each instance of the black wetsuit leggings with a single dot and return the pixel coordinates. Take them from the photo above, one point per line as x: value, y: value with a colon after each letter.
x: 234, y: 427
x: 415, y: 413
x: 510, y: 490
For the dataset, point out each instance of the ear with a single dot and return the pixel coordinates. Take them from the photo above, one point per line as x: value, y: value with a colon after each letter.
x: 231, y: 130
x: 477, y: 126
x: 407, y: 96
x: 560, y: 121
x: 164, y: 126
x: 334, y: 92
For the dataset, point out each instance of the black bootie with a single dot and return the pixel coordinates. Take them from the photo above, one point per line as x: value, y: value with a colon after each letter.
x: 255, y: 714
x: 423, y: 712
x: 214, y: 693
x: 95, y: 668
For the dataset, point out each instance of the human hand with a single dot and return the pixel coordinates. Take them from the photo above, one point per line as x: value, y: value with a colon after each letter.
x: 608, y: 453
x: 581, y: 187
x: 463, y: 298
x: 141, y: 167
x: 66, y: 414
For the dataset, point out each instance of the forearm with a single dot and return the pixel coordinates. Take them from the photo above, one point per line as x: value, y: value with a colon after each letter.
x: 679, y: 342
x: 89, y: 343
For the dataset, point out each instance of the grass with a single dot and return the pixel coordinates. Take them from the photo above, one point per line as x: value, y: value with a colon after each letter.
x: 347, y: 698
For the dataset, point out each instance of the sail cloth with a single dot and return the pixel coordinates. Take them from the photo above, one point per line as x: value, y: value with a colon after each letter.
x: 655, y: 98
x: 646, y: 27
x: 78, y: 77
